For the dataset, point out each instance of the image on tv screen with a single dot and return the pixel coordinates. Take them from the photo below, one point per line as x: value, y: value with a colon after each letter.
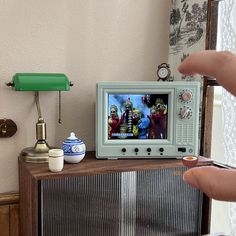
x: 137, y: 116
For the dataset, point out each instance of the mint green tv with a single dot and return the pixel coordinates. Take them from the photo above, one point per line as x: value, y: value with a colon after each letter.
x: 147, y: 119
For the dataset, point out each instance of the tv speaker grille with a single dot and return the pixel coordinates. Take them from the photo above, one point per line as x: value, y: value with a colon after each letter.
x: 185, y: 134
x: 150, y: 202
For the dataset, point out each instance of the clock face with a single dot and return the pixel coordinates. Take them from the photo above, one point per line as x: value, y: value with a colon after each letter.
x: 163, y: 72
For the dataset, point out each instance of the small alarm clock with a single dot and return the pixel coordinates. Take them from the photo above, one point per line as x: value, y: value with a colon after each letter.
x: 163, y: 72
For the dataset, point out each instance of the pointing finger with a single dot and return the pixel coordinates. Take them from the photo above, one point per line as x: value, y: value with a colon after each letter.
x: 217, y: 183
x: 220, y: 65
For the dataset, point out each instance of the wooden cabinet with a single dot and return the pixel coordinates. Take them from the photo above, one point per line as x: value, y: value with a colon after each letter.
x: 9, y: 214
x: 111, y: 197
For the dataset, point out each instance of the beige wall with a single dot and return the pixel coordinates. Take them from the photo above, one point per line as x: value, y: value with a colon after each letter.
x: 88, y: 40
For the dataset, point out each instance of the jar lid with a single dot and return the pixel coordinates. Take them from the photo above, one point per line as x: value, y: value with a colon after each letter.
x: 72, y: 136
x: 55, y: 152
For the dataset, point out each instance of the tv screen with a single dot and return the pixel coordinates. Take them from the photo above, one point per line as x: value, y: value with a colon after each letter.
x: 137, y: 116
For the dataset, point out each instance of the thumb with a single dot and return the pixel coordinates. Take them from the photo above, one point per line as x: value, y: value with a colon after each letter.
x: 216, y: 183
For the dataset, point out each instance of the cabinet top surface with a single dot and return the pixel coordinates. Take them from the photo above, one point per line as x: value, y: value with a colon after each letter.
x: 91, y: 166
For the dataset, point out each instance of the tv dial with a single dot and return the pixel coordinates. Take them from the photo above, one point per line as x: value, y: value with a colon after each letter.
x: 186, y: 95
x: 185, y: 113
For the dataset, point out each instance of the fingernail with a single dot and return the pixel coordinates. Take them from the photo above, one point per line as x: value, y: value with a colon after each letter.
x: 190, y: 178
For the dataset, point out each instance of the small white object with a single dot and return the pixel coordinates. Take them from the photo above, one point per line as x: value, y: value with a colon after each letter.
x: 74, y: 149
x: 56, y: 160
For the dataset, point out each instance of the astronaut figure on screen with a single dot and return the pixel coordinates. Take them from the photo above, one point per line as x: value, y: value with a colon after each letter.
x: 114, y: 122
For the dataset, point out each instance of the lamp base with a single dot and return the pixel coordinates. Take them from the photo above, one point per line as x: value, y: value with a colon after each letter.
x: 36, y: 154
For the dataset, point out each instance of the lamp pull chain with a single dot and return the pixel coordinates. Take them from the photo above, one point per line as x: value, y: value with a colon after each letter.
x: 59, y: 120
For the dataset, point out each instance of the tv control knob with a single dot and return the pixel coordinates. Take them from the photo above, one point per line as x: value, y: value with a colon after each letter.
x: 186, y: 96
x: 161, y: 149
x: 136, y: 150
x: 185, y: 113
x: 123, y: 149
x: 149, y: 149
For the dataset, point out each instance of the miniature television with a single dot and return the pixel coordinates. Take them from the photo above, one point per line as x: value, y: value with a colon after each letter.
x: 147, y: 119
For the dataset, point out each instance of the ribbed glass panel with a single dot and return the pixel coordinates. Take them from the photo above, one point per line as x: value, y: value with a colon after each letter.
x: 86, y: 205
x: 142, y: 203
x: 166, y: 205
x: 128, y: 200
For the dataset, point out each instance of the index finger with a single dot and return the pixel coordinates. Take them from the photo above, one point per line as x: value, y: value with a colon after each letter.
x: 217, y: 183
x: 220, y: 65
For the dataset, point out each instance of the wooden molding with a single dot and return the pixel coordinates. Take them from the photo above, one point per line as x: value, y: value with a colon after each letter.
x: 9, y: 198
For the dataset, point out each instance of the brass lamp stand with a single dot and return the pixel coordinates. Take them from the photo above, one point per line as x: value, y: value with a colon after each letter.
x: 38, y: 153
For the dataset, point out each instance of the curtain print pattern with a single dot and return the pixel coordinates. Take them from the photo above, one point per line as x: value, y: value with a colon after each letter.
x: 187, y: 32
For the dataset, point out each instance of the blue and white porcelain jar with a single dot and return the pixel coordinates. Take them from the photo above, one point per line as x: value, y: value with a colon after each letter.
x: 74, y: 149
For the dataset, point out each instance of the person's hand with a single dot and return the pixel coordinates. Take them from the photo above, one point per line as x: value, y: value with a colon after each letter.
x: 219, y: 65
x: 217, y: 183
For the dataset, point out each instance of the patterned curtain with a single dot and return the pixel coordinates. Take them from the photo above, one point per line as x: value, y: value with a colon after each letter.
x: 227, y: 41
x: 188, y: 20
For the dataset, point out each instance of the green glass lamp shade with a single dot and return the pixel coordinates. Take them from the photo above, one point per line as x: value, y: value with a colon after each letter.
x: 40, y: 82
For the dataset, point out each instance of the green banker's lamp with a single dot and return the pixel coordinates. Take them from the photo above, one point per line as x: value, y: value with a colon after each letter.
x: 39, y: 82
